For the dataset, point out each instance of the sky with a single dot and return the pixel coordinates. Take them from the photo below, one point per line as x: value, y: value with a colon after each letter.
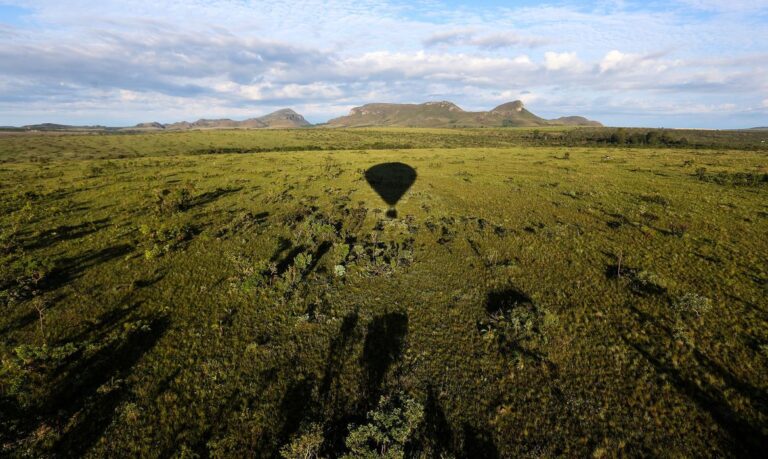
x: 674, y: 63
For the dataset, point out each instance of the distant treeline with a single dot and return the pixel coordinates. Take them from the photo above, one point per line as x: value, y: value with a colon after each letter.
x: 619, y: 137
x: 635, y: 137
x: 46, y: 146
x: 365, y: 146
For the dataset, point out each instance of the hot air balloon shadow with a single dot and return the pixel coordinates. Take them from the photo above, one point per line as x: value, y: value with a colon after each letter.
x: 391, y: 181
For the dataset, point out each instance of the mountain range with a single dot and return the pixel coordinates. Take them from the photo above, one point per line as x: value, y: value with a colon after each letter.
x: 285, y: 118
x: 442, y: 114
x: 448, y: 114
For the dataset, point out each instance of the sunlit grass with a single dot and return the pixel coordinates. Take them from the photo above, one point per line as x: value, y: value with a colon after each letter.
x: 608, y: 303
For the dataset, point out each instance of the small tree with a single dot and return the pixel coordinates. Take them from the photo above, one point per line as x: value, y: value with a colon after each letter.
x: 388, y: 430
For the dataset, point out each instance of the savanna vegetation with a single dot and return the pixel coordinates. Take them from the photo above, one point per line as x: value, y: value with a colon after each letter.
x: 538, y: 293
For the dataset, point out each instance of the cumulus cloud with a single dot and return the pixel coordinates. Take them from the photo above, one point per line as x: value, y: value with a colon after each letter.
x: 173, y: 63
x: 241, y: 57
x: 568, y: 62
x: 617, y: 61
x: 385, y: 64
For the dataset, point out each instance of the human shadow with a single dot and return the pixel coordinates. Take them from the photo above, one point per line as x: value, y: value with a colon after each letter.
x: 295, y: 407
x: 440, y: 439
x: 391, y: 181
x: 438, y: 435
x: 384, y: 344
x: 338, y: 409
x: 478, y: 443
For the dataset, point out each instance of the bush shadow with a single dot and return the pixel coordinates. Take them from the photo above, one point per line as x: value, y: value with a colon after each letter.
x: 66, y: 233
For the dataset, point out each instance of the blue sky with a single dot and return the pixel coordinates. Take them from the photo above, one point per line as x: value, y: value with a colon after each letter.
x: 684, y: 63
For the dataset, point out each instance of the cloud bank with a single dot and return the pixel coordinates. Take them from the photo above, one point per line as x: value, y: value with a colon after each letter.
x: 692, y: 63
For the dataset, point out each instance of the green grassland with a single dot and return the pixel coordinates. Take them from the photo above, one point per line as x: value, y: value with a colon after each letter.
x: 208, y: 294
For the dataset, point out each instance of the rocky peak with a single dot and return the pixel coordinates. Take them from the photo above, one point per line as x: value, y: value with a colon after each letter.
x: 510, y: 107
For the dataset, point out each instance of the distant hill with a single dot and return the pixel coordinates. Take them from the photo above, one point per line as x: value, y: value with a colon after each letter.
x: 430, y: 114
x: 448, y: 114
x: 62, y: 127
x: 285, y: 118
x: 764, y: 128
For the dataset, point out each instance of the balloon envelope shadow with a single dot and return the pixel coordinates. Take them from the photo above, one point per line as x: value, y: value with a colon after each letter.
x: 391, y: 181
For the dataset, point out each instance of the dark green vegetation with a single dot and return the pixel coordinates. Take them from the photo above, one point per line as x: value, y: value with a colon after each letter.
x: 42, y: 148
x: 172, y: 295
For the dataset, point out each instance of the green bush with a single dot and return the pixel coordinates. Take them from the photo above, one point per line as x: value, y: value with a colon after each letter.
x: 170, y: 201
x: 693, y: 303
x: 164, y: 238
x: 388, y: 430
x: 306, y: 445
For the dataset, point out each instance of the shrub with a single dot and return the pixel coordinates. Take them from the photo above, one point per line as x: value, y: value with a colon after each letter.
x: 389, y: 428
x: 94, y: 170
x: 693, y: 303
x: 25, y: 276
x: 172, y: 201
x: 302, y: 262
x: 656, y: 199
x: 678, y: 228
x: 340, y: 253
x: 165, y: 238
x: 305, y: 445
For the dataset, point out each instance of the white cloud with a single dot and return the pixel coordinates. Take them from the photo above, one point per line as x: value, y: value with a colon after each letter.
x: 631, y: 62
x: 563, y: 61
x: 237, y: 57
x: 432, y: 65
x: 490, y: 41
x: 613, y: 60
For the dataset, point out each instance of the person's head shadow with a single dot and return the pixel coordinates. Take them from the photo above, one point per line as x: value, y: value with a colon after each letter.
x: 391, y: 181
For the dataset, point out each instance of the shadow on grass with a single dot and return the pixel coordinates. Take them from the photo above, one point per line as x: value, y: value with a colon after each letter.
x: 211, y: 196
x: 87, y: 391
x: 339, y: 398
x: 66, y: 233
x: 503, y: 301
x: 70, y: 269
x: 438, y: 436
x: 745, y: 434
x: 288, y: 259
x: 391, y: 181
x: 516, y: 322
x: 439, y: 439
x: 384, y: 345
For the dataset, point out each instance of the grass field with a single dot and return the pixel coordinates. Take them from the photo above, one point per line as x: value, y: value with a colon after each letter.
x: 196, y: 294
